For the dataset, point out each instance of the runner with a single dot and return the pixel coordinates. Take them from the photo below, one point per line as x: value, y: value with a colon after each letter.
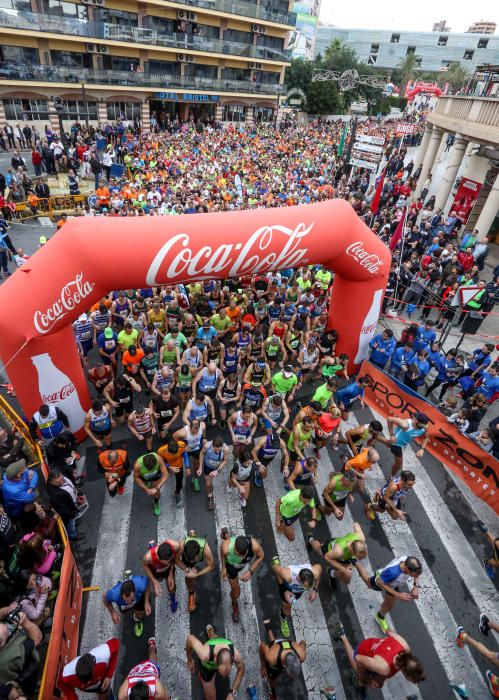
x: 166, y: 411
x: 212, y: 461
x: 285, y: 383
x: 243, y: 472
x: 294, y: 581
x: 176, y: 460
x: 463, y: 638
x: 198, y: 408
x: 99, y: 423
x: 119, y: 393
x: 257, y: 373
x: 278, y: 657
x: 274, y: 414
x: 490, y: 564
x: 388, y: 581
x: 193, y: 434
x: 141, y: 424
x: 300, y: 438
x: 361, y: 463
x: 159, y: 565
x: 143, y: 680
x: 327, y: 429
x: 364, y: 435
x: 342, y: 554
x: 164, y: 378
x: 348, y: 394
x: 100, y: 376
x: 229, y: 397
x: 407, y: 430
x: 132, y: 593
x: 242, y: 426
x: 265, y: 450
x: 289, y: 507
x: 150, y: 475
x: 183, y: 379
x: 391, y: 496
x: 216, y: 657
x: 115, y: 466
x: 324, y: 394
x: 235, y: 554
x: 92, y: 672
x: 194, y: 551
x: 304, y: 472
x: 375, y: 660
x: 337, y: 490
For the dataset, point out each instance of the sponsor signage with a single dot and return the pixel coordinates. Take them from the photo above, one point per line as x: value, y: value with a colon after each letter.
x: 367, y: 138
x: 359, y: 163
x: 186, y: 97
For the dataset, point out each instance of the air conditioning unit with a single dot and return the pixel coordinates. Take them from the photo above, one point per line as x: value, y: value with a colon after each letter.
x: 258, y: 28
x: 187, y: 16
x: 255, y: 66
x: 97, y: 48
x: 95, y: 3
x: 185, y: 58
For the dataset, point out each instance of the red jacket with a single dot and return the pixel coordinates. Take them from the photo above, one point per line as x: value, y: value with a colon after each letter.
x: 36, y: 158
x: 106, y: 656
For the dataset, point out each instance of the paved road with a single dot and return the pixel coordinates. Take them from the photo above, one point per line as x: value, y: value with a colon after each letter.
x: 440, y: 531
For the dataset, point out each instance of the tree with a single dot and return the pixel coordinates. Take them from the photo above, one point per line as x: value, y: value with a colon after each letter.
x: 408, y: 71
x: 456, y: 76
x: 322, y: 97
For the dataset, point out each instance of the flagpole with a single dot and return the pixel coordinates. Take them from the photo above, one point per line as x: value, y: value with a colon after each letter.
x: 401, y: 254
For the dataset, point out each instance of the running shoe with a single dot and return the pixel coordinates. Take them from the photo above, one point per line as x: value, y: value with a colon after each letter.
x: 209, y: 629
x: 382, y: 623
x: 459, y: 689
x: 333, y: 583
x: 369, y: 511
x: 338, y: 631
x: 121, y: 490
x: 285, y: 627
x: 258, y: 480
x: 191, y: 601
x: 329, y: 693
x: 138, y: 628
x: 482, y: 526
x: 211, y: 503
x: 151, y: 642
x: 173, y: 603
x: 489, y: 570
x: 178, y: 499
x: 493, y: 683
x: 483, y: 625
x: 316, y: 452
x: 242, y: 501
x: 275, y: 560
x: 309, y: 538
x: 235, y: 611
x: 195, y: 485
x: 460, y: 637
x: 157, y: 508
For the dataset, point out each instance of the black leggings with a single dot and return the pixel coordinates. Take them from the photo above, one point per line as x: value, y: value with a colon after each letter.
x: 179, y: 481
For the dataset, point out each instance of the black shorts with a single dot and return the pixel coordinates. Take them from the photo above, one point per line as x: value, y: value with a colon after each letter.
x: 123, y: 409
x: 161, y: 576
x: 396, y: 450
x: 102, y: 433
x: 232, y: 572
x: 195, y: 453
x: 339, y: 504
x: 375, y: 587
x: 284, y: 588
x: 206, y: 674
x: 146, y: 435
x: 272, y: 673
x: 289, y: 521
x: 241, y: 481
x: 139, y: 605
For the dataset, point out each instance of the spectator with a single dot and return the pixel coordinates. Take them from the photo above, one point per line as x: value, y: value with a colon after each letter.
x: 18, y: 657
x: 18, y: 488
x: 64, y: 500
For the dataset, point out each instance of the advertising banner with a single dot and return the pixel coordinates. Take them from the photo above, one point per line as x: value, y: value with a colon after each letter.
x: 465, y: 199
x: 475, y: 467
x: 403, y: 129
x: 360, y: 163
x: 367, y: 138
x: 63, y: 645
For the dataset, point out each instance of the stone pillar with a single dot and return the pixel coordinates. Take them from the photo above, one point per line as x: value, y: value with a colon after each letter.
x: 3, y: 120
x: 429, y: 158
x: 53, y: 116
x: 101, y: 111
x: 145, y: 115
x: 453, y: 164
x: 443, y: 140
x: 218, y: 111
x: 423, y: 146
x: 489, y: 210
x: 248, y: 116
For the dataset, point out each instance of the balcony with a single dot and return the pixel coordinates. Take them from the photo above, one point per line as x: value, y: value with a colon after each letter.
x: 244, y: 9
x: 163, y: 82
x: 476, y: 118
x: 87, y: 29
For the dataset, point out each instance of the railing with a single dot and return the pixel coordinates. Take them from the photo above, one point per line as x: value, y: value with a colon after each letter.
x: 245, y: 9
x: 476, y: 118
x: 161, y: 81
x: 102, y: 31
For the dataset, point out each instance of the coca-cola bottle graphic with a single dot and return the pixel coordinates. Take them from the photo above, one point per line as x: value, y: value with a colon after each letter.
x: 57, y: 389
x: 369, y: 327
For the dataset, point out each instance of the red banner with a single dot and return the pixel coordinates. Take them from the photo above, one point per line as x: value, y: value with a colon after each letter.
x: 63, y: 645
x: 465, y: 199
x: 406, y: 128
x: 475, y: 467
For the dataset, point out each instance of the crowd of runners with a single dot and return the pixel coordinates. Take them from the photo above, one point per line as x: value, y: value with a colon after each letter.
x: 231, y: 380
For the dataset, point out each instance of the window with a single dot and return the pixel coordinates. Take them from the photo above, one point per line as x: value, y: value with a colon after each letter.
x: 233, y: 113
x: 263, y: 114
x: 374, y: 48
x: 267, y: 77
x: 125, y: 64
x: 236, y: 74
x: 119, y: 18
x: 410, y: 49
x: 483, y: 43
x: 442, y: 40
x: 123, y: 110
x: 198, y: 70
x: 160, y: 24
x: 17, y: 109
x: 70, y: 59
x: 19, y: 5
x: 371, y: 59
x: 19, y: 55
x: 76, y: 109
x: 164, y: 68
x: 64, y: 9
x: 468, y: 55
x: 395, y: 39
x: 239, y: 37
x: 418, y: 61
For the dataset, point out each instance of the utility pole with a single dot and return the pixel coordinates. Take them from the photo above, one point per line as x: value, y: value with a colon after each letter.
x: 84, y: 100
x: 351, y: 141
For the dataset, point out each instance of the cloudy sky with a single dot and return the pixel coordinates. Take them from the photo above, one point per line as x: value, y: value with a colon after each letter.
x: 393, y: 14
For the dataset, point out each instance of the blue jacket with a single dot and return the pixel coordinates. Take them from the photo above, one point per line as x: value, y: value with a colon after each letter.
x: 481, y: 360
x: 423, y: 367
x: 401, y: 357
x: 15, y: 493
x: 378, y: 357
x: 434, y: 357
x: 443, y: 365
x: 424, y: 338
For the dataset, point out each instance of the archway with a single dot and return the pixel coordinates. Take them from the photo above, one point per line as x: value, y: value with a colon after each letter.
x: 428, y: 89
x: 89, y: 257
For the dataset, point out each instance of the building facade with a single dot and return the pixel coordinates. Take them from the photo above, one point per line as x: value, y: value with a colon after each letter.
x: 482, y: 27
x: 434, y: 51
x: 110, y: 59
x: 302, y: 42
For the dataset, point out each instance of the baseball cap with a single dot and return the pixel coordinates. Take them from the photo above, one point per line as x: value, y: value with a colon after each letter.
x: 82, y: 317
x: 108, y: 332
x: 43, y: 240
x: 287, y: 370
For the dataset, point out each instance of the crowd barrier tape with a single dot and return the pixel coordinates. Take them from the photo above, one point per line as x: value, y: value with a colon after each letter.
x: 64, y: 635
x: 409, y: 322
x: 475, y: 467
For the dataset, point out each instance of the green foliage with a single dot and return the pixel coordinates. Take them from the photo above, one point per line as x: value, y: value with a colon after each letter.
x: 457, y: 76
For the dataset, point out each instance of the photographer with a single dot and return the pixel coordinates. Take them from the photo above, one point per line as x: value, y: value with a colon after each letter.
x: 19, y: 638
x: 34, y: 592
x: 11, y: 447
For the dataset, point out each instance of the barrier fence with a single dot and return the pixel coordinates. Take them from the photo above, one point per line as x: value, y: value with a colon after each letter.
x: 23, y: 211
x: 64, y: 635
x: 456, y: 451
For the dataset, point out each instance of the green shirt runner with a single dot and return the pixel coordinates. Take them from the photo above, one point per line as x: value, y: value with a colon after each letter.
x: 291, y: 504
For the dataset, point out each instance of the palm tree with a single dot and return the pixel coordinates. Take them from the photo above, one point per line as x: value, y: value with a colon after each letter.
x: 407, y: 67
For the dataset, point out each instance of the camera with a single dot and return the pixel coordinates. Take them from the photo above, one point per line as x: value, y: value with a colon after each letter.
x: 13, y: 617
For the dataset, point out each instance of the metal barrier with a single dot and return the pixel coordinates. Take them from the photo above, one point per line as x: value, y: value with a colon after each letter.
x: 53, y: 206
x: 30, y: 210
x: 66, y: 204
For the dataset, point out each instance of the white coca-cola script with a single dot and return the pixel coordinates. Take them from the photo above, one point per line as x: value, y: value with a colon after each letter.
x: 370, y: 262
x: 71, y: 295
x: 60, y: 395
x: 230, y: 260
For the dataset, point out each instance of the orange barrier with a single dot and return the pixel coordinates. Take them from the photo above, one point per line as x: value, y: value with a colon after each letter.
x: 24, y: 210
x: 475, y: 467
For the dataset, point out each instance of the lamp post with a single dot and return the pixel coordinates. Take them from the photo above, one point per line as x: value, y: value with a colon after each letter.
x: 84, y: 100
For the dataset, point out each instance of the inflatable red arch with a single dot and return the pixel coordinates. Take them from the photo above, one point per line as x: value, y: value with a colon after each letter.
x: 89, y: 257
x: 431, y: 89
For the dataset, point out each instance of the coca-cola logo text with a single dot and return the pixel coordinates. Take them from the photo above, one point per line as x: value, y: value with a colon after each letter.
x: 60, y: 395
x: 71, y: 295
x: 368, y: 261
x: 230, y: 260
